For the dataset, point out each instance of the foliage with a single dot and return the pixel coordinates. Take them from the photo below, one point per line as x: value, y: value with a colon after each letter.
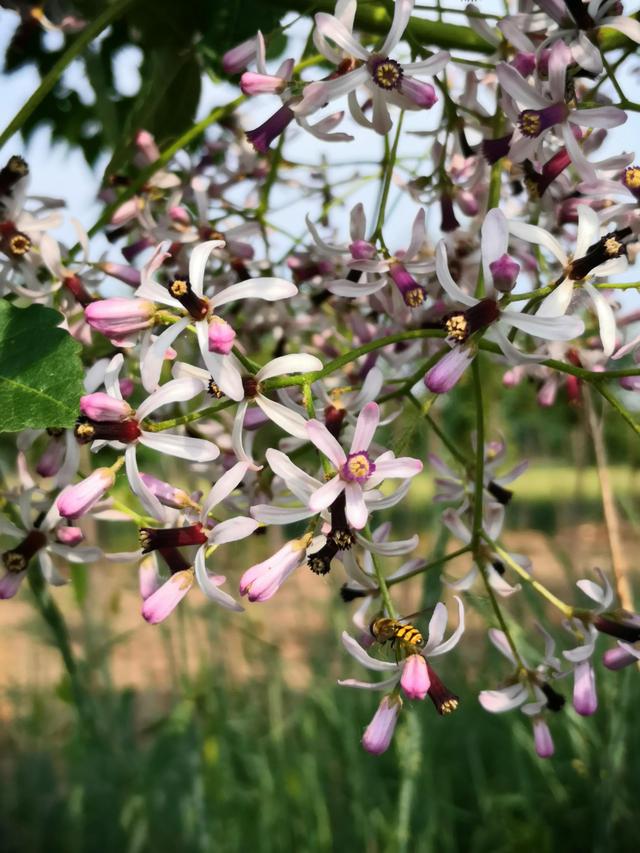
x: 40, y: 369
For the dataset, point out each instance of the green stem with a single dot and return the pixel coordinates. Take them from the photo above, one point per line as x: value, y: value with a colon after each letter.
x: 245, y: 361
x: 444, y: 438
x: 382, y: 581
x: 478, y: 507
x: 545, y: 291
x: 478, y: 502
x: 50, y: 79
x: 434, y: 564
x: 159, y: 426
x: 389, y: 165
x: 617, y: 405
x: 51, y: 614
x: 374, y: 18
x: 524, y: 574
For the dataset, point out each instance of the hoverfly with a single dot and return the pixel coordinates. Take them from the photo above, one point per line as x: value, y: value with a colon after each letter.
x: 401, y: 631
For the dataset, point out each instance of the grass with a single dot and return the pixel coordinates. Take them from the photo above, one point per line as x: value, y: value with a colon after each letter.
x: 263, y: 767
x: 230, y: 756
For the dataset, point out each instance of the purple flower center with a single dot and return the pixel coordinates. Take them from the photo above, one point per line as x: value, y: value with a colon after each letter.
x: 534, y: 122
x: 358, y: 467
x: 385, y: 73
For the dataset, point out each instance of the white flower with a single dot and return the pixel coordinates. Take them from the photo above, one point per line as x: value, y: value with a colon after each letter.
x: 596, y: 254
x: 356, y: 471
x: 215, y: 335
x: 130, y: 433
x: 386, y: 80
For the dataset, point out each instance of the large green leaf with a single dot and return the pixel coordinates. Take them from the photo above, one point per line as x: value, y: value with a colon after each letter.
x: 40, y: 369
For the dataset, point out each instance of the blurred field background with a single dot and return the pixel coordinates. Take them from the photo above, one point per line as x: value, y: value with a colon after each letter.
x: 212, y: 733
x: 218, y: 733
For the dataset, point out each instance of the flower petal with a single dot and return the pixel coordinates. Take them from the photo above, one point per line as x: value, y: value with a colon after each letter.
x: 283, y: 416
x: 331, y: 28
x: 606, y: 319
x: 549, y: 328
x: 182, y: 446
x: 401, y: 15
x: 287, y: 364
x: 298, y: 481
x: 174, y: 391
x: 515, y: 85
x: 536, y: 234
x: 356, y: 651
x: 356, y: 508
x: 144, y: 494
x: 366, y: 426
x: 326, y: 494
x: 558, y: 301
x: 444, y: 277
x: 233, y: 529
x: 223, y: 487
x: 320, y: 436
x: 443, y: 648
x: 151, y: 364
x: 495, y: 241
x: 269, y: 289
x: 588, y: 229
x: 198, y: 263
x: 499, y: 701
x: 211, y: 589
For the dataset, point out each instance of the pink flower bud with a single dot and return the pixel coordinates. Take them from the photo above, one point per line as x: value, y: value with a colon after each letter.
x: 542, y: 738
x: 505, y: 273
x: 585, y: 698
x: 180, y: 215
x: 166, y: 493
x: 237, y: 59
x: 126, y: 387
x: 446, y: 373
x: 415, y: 679
x: 75, y: 501
x: 128, y: 275
x: 525, y: 63
x: 378, y: 734
x: 127, y: 211
x: 119, y: 317
x: 164, y: 600
x: 69, y: 535
x: 102, y: 407
x: 422, y: 94
x: 263, y: 580
x: 467, y: 202
x: 361, y: 250
x: 221, y: 336
x: 620, y: 657
x: 548, y: 392
x: 147, y: 146
x: 630, y: 383
x: 148, y: 577
x: 51, y: 460
x: 261, y: 84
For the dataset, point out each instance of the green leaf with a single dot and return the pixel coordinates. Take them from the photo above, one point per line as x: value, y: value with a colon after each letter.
x: 40, y: 369
x: 165, y: 105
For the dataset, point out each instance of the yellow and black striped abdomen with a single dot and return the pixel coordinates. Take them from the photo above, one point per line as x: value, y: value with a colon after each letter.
x: 408, y: 634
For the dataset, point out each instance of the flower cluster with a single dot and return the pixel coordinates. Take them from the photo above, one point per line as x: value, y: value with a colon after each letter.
x: 299, y: 368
